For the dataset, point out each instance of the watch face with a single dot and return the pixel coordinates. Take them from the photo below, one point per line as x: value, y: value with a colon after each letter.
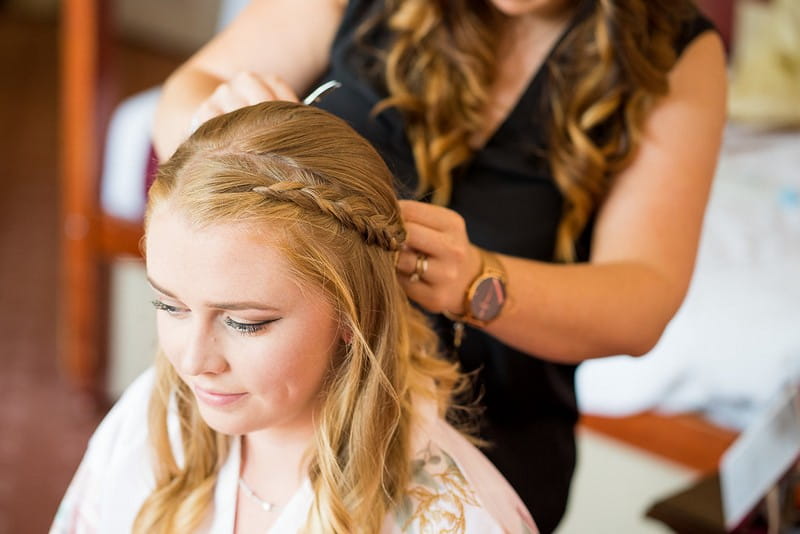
x: 488, y: 299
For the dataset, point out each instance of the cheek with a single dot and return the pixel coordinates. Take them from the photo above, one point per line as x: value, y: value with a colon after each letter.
x: 171, y: 340
x: 271, y: 370
x: 166, y: 338
x: 296, y: 367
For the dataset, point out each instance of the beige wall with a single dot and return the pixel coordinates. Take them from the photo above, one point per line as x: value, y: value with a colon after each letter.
x: 172, y: 25
x: 180, y: 25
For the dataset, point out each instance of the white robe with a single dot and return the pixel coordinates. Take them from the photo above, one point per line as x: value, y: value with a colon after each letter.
x: 462, y: 490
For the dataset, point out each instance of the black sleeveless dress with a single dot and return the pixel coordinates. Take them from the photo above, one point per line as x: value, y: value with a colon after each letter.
x: 511, y: 205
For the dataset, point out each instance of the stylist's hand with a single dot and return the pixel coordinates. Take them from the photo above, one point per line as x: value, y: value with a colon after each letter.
x: 452, y: 261
x: 244, y: 89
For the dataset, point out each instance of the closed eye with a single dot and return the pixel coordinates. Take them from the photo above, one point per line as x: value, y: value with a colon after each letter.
x: 172, y: 310
x: 248, y: 328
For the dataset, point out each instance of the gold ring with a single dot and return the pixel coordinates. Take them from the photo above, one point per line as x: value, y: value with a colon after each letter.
x: 420, y: 268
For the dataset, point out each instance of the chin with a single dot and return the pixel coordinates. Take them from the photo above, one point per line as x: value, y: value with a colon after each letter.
x: 517, y: 8
x: 512, y: 8
x: 226, y: 422
x: 224, y: 428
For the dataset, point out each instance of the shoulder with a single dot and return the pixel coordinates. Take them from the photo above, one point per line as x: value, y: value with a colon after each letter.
x: 694, y: 25
x: 125, y: 425
x: 454, y: 488
x: 439, y: 495
x: 700, y: 76
x: 701, y: 59
x: 113, y: 477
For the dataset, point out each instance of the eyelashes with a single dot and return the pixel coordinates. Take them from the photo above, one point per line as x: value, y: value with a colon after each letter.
x: 242, y: 328
x: 158, y: 305
x: 247, y: 328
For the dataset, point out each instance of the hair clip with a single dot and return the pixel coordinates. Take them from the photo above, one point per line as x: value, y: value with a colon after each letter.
x: 315, y: 95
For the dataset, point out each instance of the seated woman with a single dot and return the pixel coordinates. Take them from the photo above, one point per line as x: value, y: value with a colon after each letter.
x: 295, y: 388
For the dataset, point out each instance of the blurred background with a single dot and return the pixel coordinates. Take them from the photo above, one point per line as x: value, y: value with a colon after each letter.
x: 45, y: 419
x: 78, y: 83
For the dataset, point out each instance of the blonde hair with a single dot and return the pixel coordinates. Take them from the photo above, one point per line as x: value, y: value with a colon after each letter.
x: 605, y: 76
x: 299, y: 172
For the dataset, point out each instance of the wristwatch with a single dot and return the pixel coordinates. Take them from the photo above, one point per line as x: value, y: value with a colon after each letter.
x: 486, y: 295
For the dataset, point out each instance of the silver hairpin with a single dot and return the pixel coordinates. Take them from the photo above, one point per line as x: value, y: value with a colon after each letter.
x: 314, y: 96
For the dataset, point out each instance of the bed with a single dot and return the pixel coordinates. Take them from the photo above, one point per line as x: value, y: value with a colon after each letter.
x: 735, y: 342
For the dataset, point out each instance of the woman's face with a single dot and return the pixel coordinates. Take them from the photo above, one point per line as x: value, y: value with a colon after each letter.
x: 252, y: 345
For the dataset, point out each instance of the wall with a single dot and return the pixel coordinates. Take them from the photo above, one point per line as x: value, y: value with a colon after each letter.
x: 177, y: 26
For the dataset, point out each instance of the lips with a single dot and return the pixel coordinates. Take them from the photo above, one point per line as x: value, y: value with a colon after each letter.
x: 217, y: 398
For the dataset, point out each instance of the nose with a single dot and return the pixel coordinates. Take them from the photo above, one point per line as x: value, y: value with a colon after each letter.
x: 202, y: 353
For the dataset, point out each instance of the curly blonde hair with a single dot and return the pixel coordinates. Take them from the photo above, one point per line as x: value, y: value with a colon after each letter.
x: 299, y: 169
x: 605, y: 75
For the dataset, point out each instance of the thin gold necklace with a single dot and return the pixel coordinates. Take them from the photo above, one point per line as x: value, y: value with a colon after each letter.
x: 266, y: 506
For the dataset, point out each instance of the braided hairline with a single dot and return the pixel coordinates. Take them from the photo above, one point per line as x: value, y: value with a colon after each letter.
x: 375, y: 229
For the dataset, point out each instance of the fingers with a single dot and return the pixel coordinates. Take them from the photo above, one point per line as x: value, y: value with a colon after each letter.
x: 438, y: 262
x: 436, y: 217
x: 428, y: 240
x: 407, y: 262
x: 421, y: 293
x: 252, y: 88
x: 422, y: 280
x: 281, y: 89
x: 229, y: 97
x: 207, y: 110
x: 410, y: 262
x: 244, y: 89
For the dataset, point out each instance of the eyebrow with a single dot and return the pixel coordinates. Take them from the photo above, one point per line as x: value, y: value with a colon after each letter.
x: 231, y: 306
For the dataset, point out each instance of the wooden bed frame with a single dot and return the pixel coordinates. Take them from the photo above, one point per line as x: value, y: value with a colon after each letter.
x: 90, y: 238
x: 686, y: 439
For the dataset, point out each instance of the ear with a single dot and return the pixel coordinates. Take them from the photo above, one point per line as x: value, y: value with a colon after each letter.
x: 347, y: 335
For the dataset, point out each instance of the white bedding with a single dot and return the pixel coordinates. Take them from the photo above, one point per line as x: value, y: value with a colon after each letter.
x: 122, y: 185
x: 736, y: 339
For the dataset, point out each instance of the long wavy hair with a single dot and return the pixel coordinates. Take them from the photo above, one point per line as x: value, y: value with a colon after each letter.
x: 304, y: 175
x: 605, y: 75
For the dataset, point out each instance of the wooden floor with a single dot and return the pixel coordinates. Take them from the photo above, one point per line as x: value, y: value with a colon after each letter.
x: 44, y: 427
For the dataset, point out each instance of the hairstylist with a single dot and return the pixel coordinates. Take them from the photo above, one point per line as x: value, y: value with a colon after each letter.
x: 564, y: 151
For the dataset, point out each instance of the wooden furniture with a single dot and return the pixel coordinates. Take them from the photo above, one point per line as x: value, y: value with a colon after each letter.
x: 89, y: 237
x: 686, y: 439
